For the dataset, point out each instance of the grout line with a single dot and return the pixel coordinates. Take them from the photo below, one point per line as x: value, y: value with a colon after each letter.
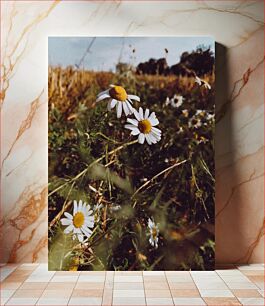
x: 169, y: 289
x: 102, y: 297
x: 145, y: 298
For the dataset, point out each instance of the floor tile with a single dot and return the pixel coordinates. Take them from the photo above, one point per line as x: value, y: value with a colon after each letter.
x: 128, y: 293
x: 107, y: 298
x: 232, y: 272
x: 211, y: 285
x: 157, y: 293
x: 129, y: 286
x: 215, y: 301
x: 253, y: 272
x: 235, y: 279
x: 53, y: 301
x: 188, y: 301
x: 61, y: 286
x: 190, y: 285
x: 241, y: 285
x: 246, y: 293
x: 128, y: 279
x: 179, y: 279
x: 216, y: 293
x: 34, y: 286
x: 153, y: 273
x: 9, y: 285
x: 87, y: 293
x: 64, y: 294
x: 22, y: 301
x: 88, y: 285
x: 123, y: 301
x: 251, y: 267
x: 261, y: 292
x: 85, y: 301
x: 159, y: 301
x: 255, y: 278
x: 64, y: 279
x: 251, y: 301
x: 156, y: 285
x: 182, y: 293
x: 28, y: 293
x: 92, y: 279
x: 128, y: 273
x: 7, y: 293
x: 155, y: 278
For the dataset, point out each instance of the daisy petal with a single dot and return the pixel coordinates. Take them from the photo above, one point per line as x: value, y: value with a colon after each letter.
x: 154, y: 121
x: 80, y: 237
x: 103, y: 92
x: 141, y: 138
x: 66, y: 221
x: 75, y: 207
x: 132, y: 121
x: 113, y: 103
x: 134, y: 97
x: 125, y: 108
x: 156, y: 130
x: 102, y: 97
x: 86, y: 231
x: 152, y: 138
x: 130, y: 106
x: 152, y: 116
x: 69, y: 229
x: 119, y: 109
x: 141, y: 113
x: 80, y: 205
x: 148, y: 139
x: 135, y: 132
x: 146, y: 113
x: 69, y: 216
x: 136, y: 114
x: 130, y: 127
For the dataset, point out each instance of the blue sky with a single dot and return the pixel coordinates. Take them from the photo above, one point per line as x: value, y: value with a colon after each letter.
x: 106, y: 51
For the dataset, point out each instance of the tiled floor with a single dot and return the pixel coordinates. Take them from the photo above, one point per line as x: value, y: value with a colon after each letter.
x: 33, y: 284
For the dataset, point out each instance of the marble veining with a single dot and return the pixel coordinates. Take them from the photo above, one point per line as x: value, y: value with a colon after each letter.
x: 237, y: 26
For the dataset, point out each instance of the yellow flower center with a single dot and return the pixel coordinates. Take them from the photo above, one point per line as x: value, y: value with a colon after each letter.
x: 79, y: 219
x: 118, y: 93
x: 154, y: 232
x: 145, y: 126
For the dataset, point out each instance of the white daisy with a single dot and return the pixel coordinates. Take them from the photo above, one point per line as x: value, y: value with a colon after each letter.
x: 176, y: 101
x: 202, y: 82
x: 144, y: 126
x: 80, y: 223
x: 154, y: 232
x: 119, y: 98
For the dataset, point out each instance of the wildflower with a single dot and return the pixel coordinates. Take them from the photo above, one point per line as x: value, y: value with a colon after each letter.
x: 201, y: 82
x: 154, y: 232
x: 195, y: 123
x: 185, y: 113
x: 144, y: 126
x: 80, y: 223
x: 176, y: 101
x: 97, y: 207
x: 119, y: 98
x: 97, y: 210
x: 115, y: 208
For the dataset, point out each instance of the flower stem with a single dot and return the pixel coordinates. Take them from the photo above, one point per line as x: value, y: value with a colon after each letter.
x: 92, y: 164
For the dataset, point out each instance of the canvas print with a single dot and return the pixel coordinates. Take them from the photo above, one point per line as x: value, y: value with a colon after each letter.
x: 131, y: 153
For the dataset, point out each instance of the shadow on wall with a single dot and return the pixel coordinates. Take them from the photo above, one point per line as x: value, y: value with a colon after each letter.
x: 225, y: 146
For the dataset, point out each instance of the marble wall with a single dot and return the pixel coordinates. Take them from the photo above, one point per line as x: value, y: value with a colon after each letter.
x: 237, y: 26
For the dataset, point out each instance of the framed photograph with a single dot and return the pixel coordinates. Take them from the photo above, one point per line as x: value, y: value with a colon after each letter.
x: 131, y: 153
